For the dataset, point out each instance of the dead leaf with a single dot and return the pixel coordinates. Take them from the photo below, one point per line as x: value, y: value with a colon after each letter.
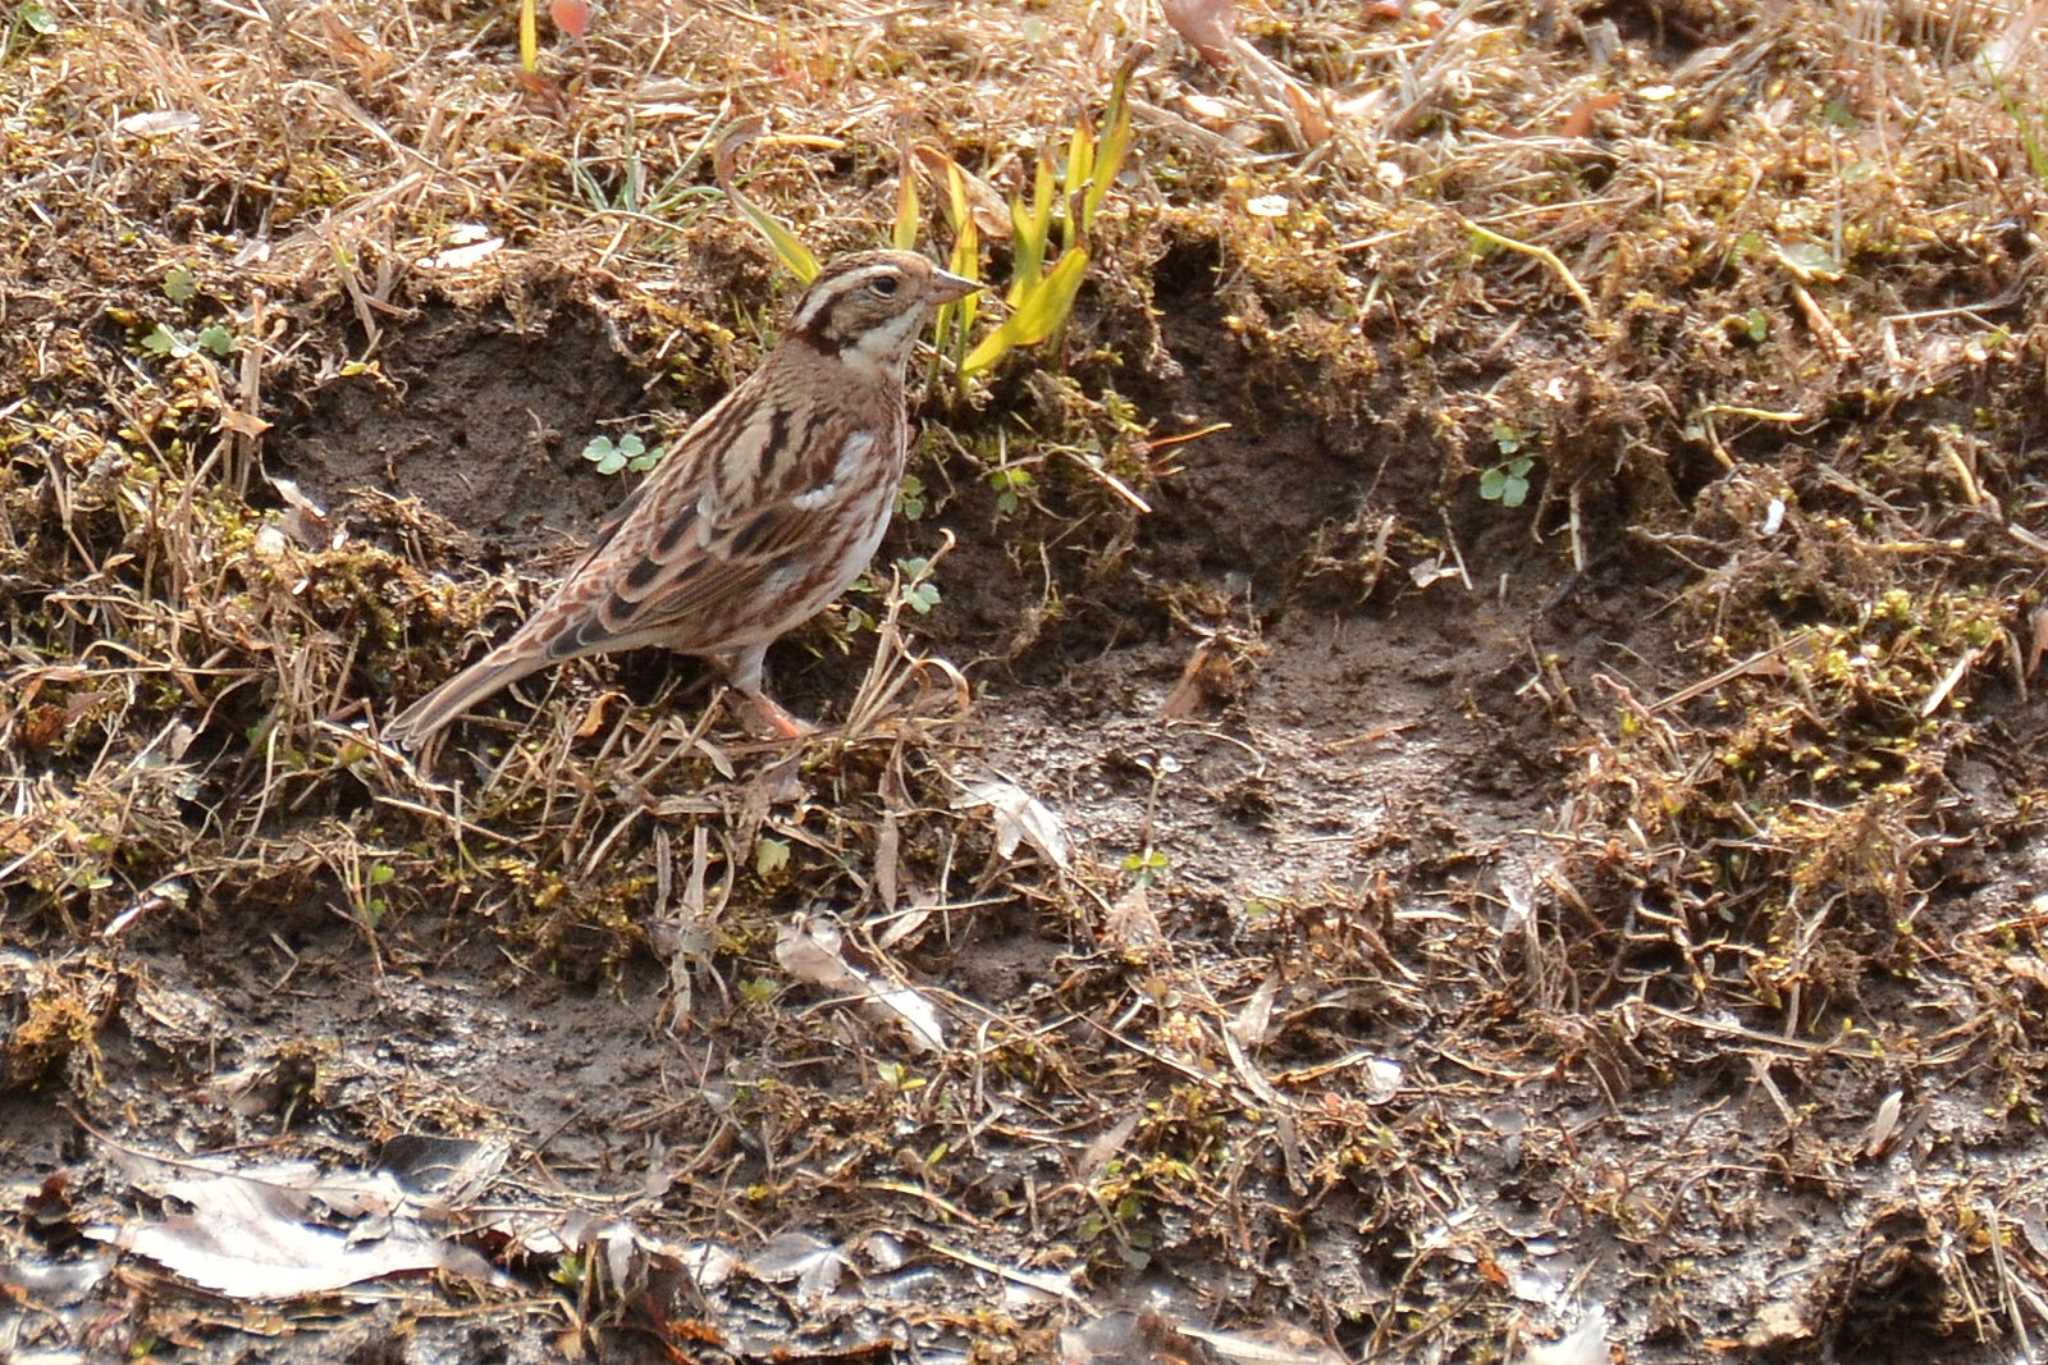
x: 1019, y: 817
x: 1884, y: 1124
x: 305, y: 520
x: 1131, y: 927
x: 990, y: 211
x: 544, y: 91
x: 1585, y: 1344
x: 570, y: 16
x: 814, y: 1263
x: 1254, y: 1022
x: 1579, y: 122
x: 1209, y: 111
x: 158, y: 123
x: 468, y: 246
x: 1206, y: 679
x: 248, y: 1235
x: 242, y: 423
x: 812, y: 952
x: 1282, y: 1343
x: 2028, y: 968
x: 887, y: 844
x: 1205, y: 25
x: 1308, y: 113
x: 1097, y: 1154
x: 1777, y: 1325
x: 371, y: 62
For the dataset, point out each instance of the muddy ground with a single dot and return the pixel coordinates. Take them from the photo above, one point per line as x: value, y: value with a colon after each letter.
x: 1591, y: 926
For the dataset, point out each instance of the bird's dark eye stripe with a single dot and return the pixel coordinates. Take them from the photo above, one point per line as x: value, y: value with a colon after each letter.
x: 819, y: 329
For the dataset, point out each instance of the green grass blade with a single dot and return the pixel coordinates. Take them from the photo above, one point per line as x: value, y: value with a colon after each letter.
x: 903, y: 236
x: 792, y: 252
x: 956, y: 197
x: 1109, y: 154
x: 1041, y: 314
x: 966, y: 263
x: 1030, y: 232
x: 1080, y: 165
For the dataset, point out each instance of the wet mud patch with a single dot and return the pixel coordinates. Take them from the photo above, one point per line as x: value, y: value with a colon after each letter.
x: 236, y: 1033
x: 1364, y: 722
x: 481, y: 420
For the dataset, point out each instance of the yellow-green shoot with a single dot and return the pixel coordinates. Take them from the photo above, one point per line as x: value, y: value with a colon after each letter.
x: 787, y: 246
x: 956, y: 320
x: 1039, y: 314
x: 903, y: 235
x: 1041, y: 299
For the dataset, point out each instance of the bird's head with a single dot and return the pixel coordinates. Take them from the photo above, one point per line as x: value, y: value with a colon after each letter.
x: 870, y: 306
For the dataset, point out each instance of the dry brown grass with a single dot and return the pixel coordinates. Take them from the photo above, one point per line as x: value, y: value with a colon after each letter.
x: 1628, y: 899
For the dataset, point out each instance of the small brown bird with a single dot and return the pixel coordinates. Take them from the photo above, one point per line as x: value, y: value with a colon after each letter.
x: 763, y: 512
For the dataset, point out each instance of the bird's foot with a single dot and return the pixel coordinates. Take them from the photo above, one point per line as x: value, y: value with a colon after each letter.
x: 779, y: 720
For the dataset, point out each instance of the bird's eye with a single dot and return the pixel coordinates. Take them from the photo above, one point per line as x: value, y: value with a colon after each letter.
x: 883, y: 286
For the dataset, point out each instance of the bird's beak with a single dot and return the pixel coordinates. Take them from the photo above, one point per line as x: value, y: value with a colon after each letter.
x: 946, y: 286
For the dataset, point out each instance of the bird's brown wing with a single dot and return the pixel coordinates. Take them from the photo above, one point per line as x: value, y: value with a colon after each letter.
x: 701, y: 556
x: 684, y: 464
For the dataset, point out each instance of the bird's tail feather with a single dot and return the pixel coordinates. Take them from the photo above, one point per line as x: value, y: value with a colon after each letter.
x: 500, y: 668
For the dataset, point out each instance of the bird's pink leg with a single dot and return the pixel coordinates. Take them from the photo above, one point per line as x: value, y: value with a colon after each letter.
x: 743, y: 670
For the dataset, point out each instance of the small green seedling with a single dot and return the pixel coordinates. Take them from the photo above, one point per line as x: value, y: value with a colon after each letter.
x: 178, y: 345
x: 34, y: 18
x: 953, y: 321
x: 1040, y: 298
x: 920, y: 594
x: 910, y: 498
x: 903, y: 232
x: 771, y: 858
x: 1507, y: 483
x: 631, y: 453
x: 1147, y: 867
x: 1012, y: 486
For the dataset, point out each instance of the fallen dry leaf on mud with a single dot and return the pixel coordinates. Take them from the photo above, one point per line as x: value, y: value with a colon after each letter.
x: 812, y: 952
x: 248, y: 1237
x: 1020, y: 818
x: 814, y: 1263
x: 1255, y: 1020
x: 1160, y: 1338
x: 1131, y: 926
